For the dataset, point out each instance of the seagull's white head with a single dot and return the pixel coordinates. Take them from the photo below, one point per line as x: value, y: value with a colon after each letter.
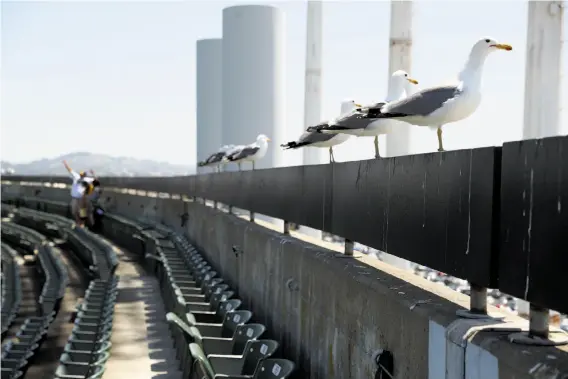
x: 400, y: 81
x: 487, y: 45
x: 399, y: 85
x: 262, y: 138
x: 349, y: 105
x: 403, y: 77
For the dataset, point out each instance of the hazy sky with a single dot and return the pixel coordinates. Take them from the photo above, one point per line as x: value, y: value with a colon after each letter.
x: 119, y: 77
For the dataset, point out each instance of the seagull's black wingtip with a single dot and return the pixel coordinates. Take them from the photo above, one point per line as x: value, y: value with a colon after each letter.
x: 289, y: 145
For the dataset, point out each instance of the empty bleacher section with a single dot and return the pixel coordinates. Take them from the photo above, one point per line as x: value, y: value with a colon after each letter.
x: 18, y: 351
x: 50, y: 268
x: 88, y: 346
x: 11, y: 287
x: 211, y: 332
x: 41, y: 336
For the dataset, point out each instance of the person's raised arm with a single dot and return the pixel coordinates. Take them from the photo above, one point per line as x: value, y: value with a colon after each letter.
x: 74, y: 175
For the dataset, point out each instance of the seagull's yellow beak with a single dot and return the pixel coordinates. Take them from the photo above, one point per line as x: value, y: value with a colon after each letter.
x: 413, y: 81
x: 358, y: 105
x: 268, y: 139
x: 503, y: 46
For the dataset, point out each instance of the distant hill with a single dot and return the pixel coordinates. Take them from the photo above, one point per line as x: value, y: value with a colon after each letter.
x: 103, y: 165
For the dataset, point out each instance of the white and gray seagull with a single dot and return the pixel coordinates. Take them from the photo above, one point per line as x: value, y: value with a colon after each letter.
x: 358, y: 124
x: 216, y: 159
x: 249, y: 153
x: 436, y: 106
x: 315, y: 139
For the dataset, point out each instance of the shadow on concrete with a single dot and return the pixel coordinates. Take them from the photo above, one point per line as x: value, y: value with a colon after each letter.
x: 142, y: 329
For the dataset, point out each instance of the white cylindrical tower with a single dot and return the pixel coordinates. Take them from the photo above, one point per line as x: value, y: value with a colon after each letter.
x: 543, y: 70
x: 313, y: 79
x: 253, y: 90
x: 400, y: 58
x: 208, y: 97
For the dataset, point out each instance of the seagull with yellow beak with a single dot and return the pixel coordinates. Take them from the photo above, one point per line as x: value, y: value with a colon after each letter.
x: 436, y: 106
x: 357, y: 124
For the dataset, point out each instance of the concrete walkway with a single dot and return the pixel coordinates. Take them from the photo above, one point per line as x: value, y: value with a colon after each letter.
x: 142, y: 347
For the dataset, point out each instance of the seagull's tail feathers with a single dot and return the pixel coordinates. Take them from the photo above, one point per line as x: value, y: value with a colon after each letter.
x: 293, y: 145
x: 201, y: 164
x: 318, y: 128
x: 375, y: 111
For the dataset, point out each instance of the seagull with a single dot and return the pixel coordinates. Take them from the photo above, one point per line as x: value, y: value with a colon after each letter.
x: 358, y: 124
x: 315, y: 139
x: 249, y: 153
x: 233, y: 150
x: 436, y: 106
x: 216, y: 158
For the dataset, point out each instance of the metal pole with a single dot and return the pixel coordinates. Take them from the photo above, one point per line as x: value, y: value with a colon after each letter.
x: 478, y: 299
x: 538, y: 321
x: 348, y: 247
x: 477, y: 303
x: 286, y: 227
x: 400, y: 58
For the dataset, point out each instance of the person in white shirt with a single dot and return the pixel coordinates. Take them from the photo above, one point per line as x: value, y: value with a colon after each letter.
x: 79, y: 193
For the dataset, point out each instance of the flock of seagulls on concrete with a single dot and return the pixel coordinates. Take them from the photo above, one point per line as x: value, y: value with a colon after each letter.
x: 431, y: 107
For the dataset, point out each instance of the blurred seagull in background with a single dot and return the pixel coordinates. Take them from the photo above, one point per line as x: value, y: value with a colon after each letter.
x: 436, y: 106
x: 216, y: 159
x: 249, y: 153
x: 315, y: 139
x: 357, y: 124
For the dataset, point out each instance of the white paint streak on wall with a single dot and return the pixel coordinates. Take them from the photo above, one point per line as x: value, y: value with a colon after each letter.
x: 480, y: 364
x: 436, y: 351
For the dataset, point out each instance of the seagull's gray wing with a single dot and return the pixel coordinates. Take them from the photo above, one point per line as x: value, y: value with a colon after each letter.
x: 376, y: 106
x: 313, y: 137
x: 244, y: 153
x: 214, y: 158
x: 421, y: 103
x: 307, y: 139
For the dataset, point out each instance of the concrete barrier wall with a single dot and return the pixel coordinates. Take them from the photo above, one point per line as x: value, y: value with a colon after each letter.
x: 333, y: 313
